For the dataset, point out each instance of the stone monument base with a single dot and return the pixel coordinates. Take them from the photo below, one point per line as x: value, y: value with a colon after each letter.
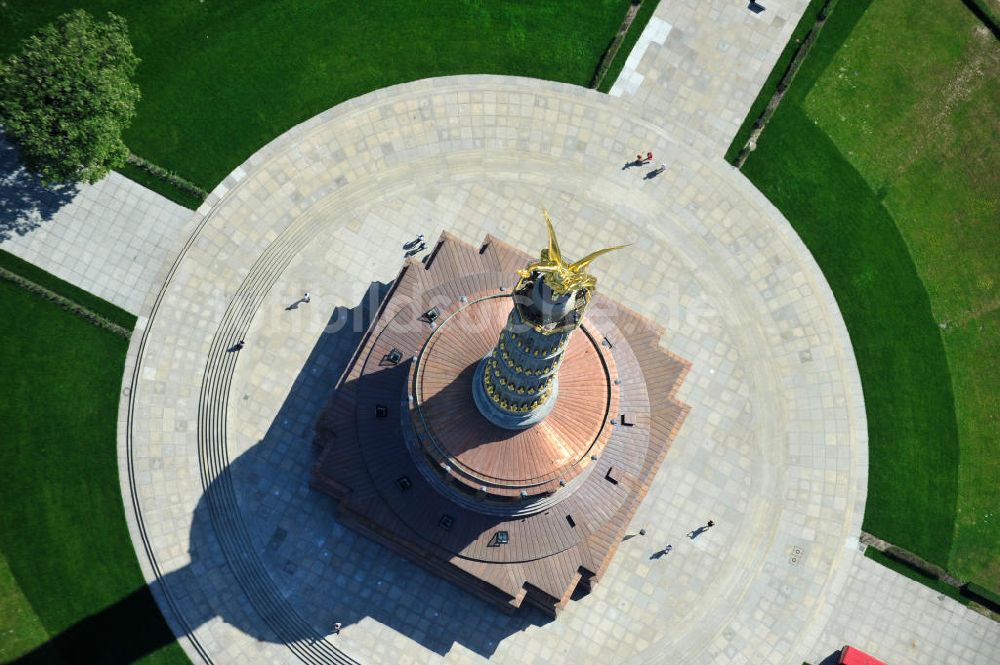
x: 512, y: 516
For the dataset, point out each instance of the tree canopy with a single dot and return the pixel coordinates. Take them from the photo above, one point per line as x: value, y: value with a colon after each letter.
x: 68, y: 95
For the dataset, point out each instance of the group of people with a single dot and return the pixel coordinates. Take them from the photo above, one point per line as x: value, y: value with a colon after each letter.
x: 412, y: 247
x: 642, y: 161
x: 415, y: 246
x: 694, y: 533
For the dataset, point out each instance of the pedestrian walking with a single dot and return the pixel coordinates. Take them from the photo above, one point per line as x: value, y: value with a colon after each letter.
x: 700, y: 530
x: 306, y: 297
x: 649, y: 156
x: 638, y: 159
x: 667, y: 549
x: 336, y: 628
x: 240, y: 344
x: 410, y: 244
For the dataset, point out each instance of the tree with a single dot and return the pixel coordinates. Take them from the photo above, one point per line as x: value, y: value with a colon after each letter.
x: 66, y: 98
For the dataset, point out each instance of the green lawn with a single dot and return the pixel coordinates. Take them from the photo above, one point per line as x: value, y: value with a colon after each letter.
x: 62, y: 524
x: 49, y: 281
x: 221, y: 79
x: 628, y: 43
x: 883, y: 156
x: 20, y: 629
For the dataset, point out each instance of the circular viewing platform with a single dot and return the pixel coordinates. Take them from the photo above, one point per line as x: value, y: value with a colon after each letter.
x: 490, y: 460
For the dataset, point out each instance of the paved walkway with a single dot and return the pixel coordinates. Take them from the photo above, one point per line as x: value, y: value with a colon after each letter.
x: 112, y: 238
x: 699, y: 65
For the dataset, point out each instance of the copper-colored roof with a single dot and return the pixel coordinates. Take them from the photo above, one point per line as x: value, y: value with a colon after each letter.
x: 480, y: 454
x: 555, y: 542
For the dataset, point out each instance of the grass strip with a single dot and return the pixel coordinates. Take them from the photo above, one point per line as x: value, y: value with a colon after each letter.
x: 68, y: 295
x: 68, y: 305
x: 62, y: 525
x: 910, y: 559
x: 162, y: 187
x: 982, y: 595
x: 809, y: 18
x: 612, y: 69
x: 172, y: 178
x: 164, y: 182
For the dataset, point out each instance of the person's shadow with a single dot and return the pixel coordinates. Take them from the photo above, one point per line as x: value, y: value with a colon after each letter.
x: 24, y: 202
x: 697, y: 532
x: 268, y: 555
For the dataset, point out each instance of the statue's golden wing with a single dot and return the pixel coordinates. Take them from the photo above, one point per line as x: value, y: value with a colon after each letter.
x: 578, y: 266
x: 554, y: 254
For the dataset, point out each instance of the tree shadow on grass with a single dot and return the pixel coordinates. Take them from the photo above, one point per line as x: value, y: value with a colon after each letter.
x: 268, y: 555
x: 24, y: 202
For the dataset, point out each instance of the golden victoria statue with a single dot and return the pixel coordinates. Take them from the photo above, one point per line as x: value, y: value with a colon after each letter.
x: 559, y: 276
x: 515, y: 384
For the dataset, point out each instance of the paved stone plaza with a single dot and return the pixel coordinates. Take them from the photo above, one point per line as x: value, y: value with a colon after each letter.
x: 215, y: 444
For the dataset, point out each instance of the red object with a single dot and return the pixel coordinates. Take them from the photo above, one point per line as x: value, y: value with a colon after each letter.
x: 851, y: 656
x: 649, y: 155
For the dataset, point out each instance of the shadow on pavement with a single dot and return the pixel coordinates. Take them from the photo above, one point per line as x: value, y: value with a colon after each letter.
x: 24, y: 202
x: 278, y: 565
x: 831, y: 659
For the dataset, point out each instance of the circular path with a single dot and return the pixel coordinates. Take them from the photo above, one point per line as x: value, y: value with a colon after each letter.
x: 215, y: 445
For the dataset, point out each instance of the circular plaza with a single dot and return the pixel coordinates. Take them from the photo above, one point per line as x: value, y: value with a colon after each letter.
x: 216, y: 441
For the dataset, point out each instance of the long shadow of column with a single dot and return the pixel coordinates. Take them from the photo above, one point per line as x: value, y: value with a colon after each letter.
x: 120, y: 633
x: 308, y: 564
x: 24, y: 202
